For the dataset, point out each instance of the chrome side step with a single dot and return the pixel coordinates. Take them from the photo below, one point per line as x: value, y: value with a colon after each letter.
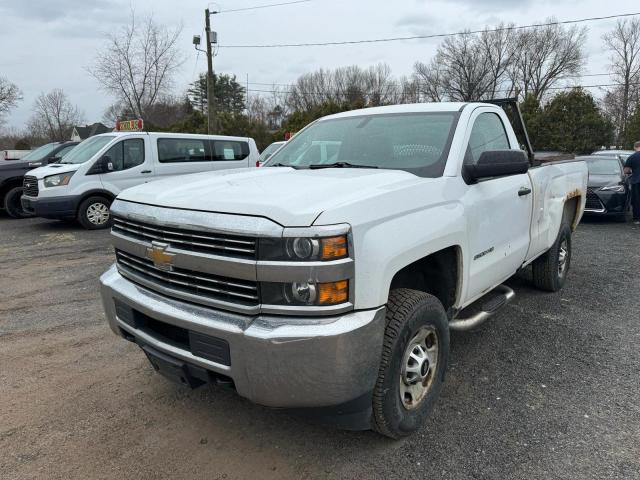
x: 499, y: 297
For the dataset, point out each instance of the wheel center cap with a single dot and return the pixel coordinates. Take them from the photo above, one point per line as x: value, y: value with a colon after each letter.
x: 424, y: 368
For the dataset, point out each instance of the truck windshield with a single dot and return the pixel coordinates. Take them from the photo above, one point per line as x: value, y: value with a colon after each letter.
x: 86, y: 149
x: 40, y: 152
x: 415, y: 142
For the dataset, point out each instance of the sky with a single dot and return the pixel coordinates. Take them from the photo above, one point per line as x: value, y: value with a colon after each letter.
x: 49, y: 44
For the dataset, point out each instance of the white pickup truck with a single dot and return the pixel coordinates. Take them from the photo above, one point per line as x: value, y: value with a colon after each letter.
x: 328, y: 280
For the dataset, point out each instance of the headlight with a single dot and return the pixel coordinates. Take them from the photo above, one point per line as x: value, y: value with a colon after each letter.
x: 58, y: 180
x: 613, y: 188
x: 305, y: 293
x: 303, y: 249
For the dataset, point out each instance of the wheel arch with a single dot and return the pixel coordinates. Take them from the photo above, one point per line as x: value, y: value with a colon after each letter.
x: 438, y: 273
x: 94, y: 193
x: 7, y: 185
x: 571, y: 213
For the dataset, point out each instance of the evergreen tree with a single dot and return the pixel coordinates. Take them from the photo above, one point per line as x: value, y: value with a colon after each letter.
x: 572, y: 122
x: 230, y: 95
x: 632, y: 132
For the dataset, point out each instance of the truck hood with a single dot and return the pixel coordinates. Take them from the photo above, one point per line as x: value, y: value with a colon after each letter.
x: 293, y: 198
x: 18, y: 164
x: 54, y: 169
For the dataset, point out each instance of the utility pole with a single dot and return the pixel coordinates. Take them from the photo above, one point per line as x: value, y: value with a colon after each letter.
x: 211, y: 99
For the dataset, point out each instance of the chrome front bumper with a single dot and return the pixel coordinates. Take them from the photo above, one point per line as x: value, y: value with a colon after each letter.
x: 277, y: 361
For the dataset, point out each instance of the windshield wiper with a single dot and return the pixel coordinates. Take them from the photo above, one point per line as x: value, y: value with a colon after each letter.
x: 315, y: 166
x: 282, y: 165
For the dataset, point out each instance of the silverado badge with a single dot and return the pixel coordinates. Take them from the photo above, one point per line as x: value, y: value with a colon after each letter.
x: 161, y: 259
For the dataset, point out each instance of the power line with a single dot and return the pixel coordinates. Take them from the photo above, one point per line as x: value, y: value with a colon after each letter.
x: 566, y: 87
x: 437, y: 35
x: 263, y: 6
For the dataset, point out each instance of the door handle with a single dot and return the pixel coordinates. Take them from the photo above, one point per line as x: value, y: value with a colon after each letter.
x: 145, y: 171
x: 524, y: 191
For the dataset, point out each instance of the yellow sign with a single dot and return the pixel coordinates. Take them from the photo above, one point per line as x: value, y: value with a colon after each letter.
x: 129, y: 125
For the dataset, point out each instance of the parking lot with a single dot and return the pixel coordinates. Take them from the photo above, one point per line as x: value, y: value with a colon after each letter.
x: 547, y: 389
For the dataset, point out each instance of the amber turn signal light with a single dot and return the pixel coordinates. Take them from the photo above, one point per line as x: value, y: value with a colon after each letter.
x: 333, y: 293
x: 334, y: 247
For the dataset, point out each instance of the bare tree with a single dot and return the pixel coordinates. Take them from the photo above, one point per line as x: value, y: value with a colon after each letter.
x: 269, y: 109
x: 407, y: 91
x: 464, y: 76
x: 380, y: 86
x: 545, y: 56
x: 138, y: 62
x: 429, y: 81
x: 501, y: 62
x: 468, y: 67
x: 498, y: 48
x: 352, y: 85
x: 624, y: 43
x: 9, y: 96
x: 54, y: 116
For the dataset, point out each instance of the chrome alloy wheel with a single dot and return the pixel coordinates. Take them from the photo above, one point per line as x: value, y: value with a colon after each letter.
x: 98, y: 213
x: 419, y: 365
x: 563, y: 257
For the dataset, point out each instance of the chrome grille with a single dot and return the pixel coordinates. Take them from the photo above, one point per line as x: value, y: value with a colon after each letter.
x: 204, y: 285
x: 593, y: 202
x: 30, y: 186
x: 184, y: 239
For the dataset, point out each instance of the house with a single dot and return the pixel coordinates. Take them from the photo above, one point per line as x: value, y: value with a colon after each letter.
x: 81, y: 133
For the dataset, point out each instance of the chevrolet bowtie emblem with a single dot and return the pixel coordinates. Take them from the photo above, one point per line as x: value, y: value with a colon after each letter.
x: 161, y: 259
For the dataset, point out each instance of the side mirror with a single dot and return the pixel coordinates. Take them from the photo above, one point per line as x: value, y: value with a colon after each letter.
x: 105, y: 164
x: 496, y: 163
x: 102, y: 165
x: 54, y: 159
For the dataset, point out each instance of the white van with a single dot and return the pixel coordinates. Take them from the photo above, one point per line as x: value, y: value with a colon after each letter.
x: 83, y: 185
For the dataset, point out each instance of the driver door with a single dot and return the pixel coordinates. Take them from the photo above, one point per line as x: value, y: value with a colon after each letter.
x: 498, y: 210
x: 129, y: 165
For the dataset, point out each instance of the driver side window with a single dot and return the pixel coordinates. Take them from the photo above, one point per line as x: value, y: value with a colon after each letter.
x: 126, y: 154
x: 488, y: 133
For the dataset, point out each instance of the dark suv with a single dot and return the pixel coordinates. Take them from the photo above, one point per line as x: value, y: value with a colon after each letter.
x: 608, y: 190
x: 12, y: 173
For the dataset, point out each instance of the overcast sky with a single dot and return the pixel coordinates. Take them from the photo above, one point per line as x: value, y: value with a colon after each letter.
x: 48, y: 44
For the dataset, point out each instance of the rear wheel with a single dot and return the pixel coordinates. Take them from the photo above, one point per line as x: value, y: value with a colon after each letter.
x: 551, y: 269
x: 13, y: 205
x: 94, y: 214
x: 413, y: 364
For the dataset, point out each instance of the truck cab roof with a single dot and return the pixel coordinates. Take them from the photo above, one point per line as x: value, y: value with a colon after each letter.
x: 408, y: 108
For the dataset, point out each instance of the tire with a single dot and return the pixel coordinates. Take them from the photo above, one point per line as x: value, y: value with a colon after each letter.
x: 410, y: 315
x: 12, y: 204
x: 549, y: 270
x: 93, y: 213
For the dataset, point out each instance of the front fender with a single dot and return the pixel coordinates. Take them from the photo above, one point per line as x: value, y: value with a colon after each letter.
x: 386, y: 248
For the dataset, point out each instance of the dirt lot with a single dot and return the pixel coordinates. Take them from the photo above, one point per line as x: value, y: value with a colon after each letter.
x: 550, y: 388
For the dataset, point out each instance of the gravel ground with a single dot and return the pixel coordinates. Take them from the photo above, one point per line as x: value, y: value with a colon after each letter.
x: 549, y: 388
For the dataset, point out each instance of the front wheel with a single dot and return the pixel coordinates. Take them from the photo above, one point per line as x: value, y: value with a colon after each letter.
x: 94, y: 214
x: 551, y: 269
x: 13, y: 205
x: 414, y: 360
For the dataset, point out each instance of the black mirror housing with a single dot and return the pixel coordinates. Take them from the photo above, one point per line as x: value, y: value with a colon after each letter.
x: 105, y: 164
x: 102, y: 165
x: 496, y: 163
